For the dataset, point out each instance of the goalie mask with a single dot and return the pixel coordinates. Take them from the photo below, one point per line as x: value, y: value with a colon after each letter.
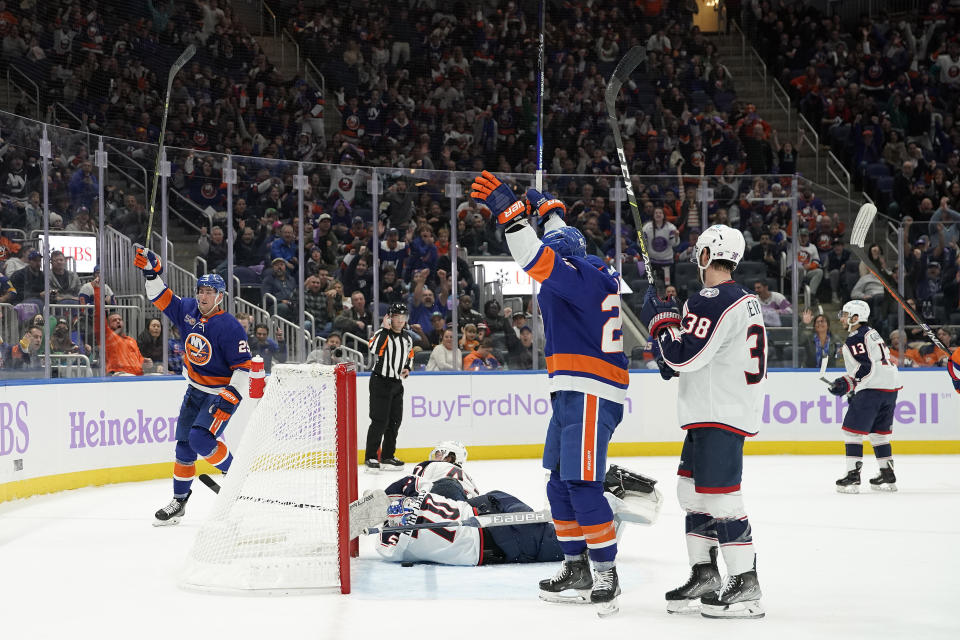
x: 403, y: 511
x: 447, y: 447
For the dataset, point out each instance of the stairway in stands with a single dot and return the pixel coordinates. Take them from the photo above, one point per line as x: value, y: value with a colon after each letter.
x: 750, y: 89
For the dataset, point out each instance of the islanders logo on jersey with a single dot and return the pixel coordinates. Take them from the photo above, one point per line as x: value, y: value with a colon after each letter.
x: 198, y: 349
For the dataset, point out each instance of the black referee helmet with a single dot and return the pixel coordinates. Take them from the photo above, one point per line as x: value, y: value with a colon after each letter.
x: 398, y: 309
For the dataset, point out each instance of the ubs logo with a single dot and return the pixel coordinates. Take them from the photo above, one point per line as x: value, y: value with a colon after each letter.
x: 198, y: 349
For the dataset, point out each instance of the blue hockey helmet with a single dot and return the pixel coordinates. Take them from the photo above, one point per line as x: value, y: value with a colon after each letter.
x: 568, y: 242
x: 212, y: 280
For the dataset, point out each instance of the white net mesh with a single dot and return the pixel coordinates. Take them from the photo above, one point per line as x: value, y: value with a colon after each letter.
x: 274, y: 523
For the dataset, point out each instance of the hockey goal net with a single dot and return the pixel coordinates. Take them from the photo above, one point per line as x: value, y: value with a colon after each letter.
x: 280, y: 521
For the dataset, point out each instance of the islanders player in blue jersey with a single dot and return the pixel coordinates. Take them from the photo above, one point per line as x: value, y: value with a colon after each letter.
x: 580, y: 302
x: 717, y: 346
x: 216, y: 365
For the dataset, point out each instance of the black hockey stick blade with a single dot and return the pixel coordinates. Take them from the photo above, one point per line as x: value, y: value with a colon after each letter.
x: 621, y: 74
x: 210, y: 482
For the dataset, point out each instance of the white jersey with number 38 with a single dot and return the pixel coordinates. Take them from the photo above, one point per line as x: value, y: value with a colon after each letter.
x: 720, y: 351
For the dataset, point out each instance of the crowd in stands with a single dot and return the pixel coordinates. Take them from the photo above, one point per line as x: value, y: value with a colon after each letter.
x: 882, y: 92
x: 416, y: 88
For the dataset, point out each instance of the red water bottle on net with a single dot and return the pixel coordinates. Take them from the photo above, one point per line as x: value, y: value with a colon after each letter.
x: 257, y: 380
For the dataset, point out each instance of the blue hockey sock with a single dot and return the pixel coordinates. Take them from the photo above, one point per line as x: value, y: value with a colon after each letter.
x: 569, y: 534
x: 595, y: 517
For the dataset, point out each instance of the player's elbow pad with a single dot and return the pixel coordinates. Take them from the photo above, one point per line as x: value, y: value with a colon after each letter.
x: 240, y: 380
x: 154, y: 288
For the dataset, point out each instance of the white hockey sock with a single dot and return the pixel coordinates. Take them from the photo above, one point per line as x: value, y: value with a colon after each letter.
x: 738, y: 558
x: 698, y: 548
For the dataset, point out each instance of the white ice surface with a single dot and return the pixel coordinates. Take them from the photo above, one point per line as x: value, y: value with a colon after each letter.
x: 88, y: 564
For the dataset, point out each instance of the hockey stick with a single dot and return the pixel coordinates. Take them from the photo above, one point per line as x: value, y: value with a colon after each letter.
x: 823, y: 368
x: 620, y: 75
x: 491, y: 520
x: 209, y: 482
x: 369, y: 508
x: 174, y: 70
x: 540, y: 54
x: 858, y: 236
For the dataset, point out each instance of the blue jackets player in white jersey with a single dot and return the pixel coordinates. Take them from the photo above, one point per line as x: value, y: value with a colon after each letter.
x: 717, y: 346
x: 872, y: 381
x: 580, y: 301
x: 216, y: 365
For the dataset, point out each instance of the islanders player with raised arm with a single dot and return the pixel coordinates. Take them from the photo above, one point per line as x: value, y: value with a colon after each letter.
x: 872, y: 380
x: 580, y: 302
x: 718, y: 348
x: 216, y: 365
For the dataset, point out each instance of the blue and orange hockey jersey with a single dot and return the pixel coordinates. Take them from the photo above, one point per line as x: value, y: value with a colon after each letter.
x: 580, y: 303
x: 214, y: 346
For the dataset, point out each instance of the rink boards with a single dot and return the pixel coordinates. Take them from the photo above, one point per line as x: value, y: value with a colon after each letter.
x: 60, y: 435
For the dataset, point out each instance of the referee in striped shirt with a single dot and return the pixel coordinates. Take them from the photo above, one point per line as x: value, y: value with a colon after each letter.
x: 394, y: 350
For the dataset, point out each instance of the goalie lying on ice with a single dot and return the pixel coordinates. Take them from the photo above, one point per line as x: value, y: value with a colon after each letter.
x: 632, y: 497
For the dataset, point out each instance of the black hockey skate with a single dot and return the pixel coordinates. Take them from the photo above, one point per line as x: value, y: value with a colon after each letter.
x: 606, y: 588
x: 171, y: 513
x: 850, y: 483
x: 372, y: 465
x: 704, y: 579
x: 391, y: 464
x: 886, y: 481
x: 739, y: 598
x: 572, y: 584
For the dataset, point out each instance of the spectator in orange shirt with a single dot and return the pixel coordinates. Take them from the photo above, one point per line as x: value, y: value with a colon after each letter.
x: 905, y: 357
x: 469, y: 341
x: 123, y: 354
x: 932, y: 355
x: 8, y: 248
x: 482, y: 359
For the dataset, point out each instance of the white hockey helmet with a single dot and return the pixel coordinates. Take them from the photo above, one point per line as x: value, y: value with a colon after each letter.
x: 722, y: 243
x: 446, y: 447
x: 852, y: 308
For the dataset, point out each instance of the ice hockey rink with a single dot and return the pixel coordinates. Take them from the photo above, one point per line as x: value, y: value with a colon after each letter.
x: 88, y: 563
